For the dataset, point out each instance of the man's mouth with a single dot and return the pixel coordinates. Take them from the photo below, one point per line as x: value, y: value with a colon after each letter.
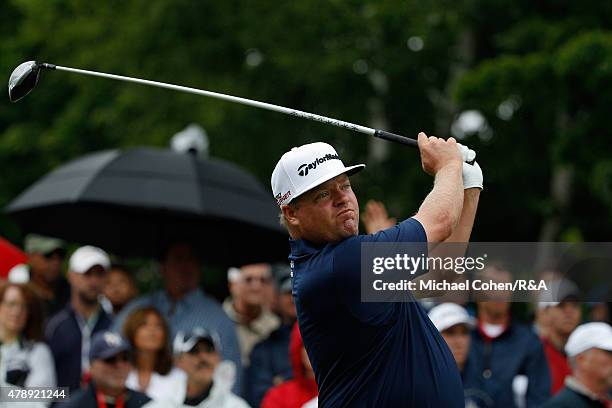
x: 348, y: 210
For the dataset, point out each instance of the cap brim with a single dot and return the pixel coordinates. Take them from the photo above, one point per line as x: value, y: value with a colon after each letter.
x: 113, y: 352
x: 606, y: 344
x: 546, y: 305
x: 349, y: 171
x: 468, y: 321
x: 193, y: 341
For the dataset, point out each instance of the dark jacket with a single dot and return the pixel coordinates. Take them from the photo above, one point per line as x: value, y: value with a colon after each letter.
x: 87, y: 399
x: 568, y: 398
x: 269, y: 365
x: 493, y: 363
x: 63, y: 335
x: 299, y: 390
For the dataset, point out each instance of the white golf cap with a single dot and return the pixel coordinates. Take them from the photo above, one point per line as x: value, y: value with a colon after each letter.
x: 86, y: 257
x: 305, y: 167
x: 19, y: 273
x: 588, y: 336
x: 447, y: 315
x: 558, y: 291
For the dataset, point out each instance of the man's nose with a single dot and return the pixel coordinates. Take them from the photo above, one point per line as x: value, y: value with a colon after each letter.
x: 341, y: 197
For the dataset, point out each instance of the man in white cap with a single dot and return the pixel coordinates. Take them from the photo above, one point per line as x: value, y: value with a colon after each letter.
x: 589, y: 349
x: 369, y: 354
x: 454, y: 324
x: 69, y: 332
x: 209, y: 378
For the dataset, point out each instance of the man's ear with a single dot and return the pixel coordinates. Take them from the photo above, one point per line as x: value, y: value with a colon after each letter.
x: 289, y: 212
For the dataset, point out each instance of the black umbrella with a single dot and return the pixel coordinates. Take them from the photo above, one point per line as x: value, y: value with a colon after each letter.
x: 135, y: 202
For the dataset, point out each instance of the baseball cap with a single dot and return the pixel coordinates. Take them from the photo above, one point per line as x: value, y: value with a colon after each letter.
x: 86, y: 257
x: 305, y: 167
x: 185, y: 341
x: 106, y: 344
x: 233, y: 274
x: 19, y: 273
x: 588, y: 336
x: 558, y: 291
x: 39, y: 244
x: 447, y: 315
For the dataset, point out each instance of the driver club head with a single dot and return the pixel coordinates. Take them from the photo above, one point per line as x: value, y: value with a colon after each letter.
x: 23, y: 79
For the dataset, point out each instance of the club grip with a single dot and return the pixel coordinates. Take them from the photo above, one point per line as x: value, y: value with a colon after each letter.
x: 395, y: 138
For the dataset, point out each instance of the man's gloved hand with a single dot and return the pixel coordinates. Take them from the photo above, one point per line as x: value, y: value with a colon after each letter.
x: 472, y: 173
x: 467, y: 154
x: 472, y: 176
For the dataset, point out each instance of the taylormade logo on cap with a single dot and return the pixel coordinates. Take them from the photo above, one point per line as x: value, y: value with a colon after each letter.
x: 303, y: 168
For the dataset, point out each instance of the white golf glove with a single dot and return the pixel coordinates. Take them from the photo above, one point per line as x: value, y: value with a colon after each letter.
x: 472, y: 173
x: 472, y: 176
x: 467, y: 154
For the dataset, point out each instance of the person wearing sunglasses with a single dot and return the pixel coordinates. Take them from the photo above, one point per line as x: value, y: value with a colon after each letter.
x: 248, y: 306
x: 110, y: 365
x: 45, y: 259
x: 209, y: 379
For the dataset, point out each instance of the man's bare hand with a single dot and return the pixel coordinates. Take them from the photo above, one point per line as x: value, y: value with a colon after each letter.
x: 437, y: 153
x: 375, y: 217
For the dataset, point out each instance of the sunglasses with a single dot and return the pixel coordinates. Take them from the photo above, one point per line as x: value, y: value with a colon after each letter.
x: 202, y: 347
x: 57, y: 253
x: 117, y: 358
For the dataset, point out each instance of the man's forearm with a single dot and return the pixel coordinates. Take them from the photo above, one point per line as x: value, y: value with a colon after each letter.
x: 442, y: 207
x: 461, y: 234
x: 463, y: 230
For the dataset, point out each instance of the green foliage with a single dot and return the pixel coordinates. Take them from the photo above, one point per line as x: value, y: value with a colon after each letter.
x: 555, y: 58
x: 336, y: 58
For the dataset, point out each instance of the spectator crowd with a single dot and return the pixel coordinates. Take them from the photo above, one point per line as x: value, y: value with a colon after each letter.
x: 89, y: 330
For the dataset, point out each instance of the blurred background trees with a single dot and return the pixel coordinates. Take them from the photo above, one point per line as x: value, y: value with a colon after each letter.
x: 526, y: 84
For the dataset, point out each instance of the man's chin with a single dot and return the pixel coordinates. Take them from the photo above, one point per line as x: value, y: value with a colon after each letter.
x: 349, y: 227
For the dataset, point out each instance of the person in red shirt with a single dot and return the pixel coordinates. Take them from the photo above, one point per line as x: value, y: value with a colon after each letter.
x: 302, y: 388
x: 562, y: 315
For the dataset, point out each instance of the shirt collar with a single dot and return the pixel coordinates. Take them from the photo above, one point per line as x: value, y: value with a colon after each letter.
x: 302, y: 247
x: 573, y: 384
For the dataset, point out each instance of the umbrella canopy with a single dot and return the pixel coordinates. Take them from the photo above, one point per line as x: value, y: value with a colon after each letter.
x: 134, y: 202
x: 10, y: 256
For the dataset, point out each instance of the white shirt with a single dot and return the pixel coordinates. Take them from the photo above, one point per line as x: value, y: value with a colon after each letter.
x: 33, y: 356
x: 171, y: 387
x: 36, y: 356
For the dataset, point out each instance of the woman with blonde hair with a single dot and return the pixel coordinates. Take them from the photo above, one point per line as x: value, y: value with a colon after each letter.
x: 153, y: 372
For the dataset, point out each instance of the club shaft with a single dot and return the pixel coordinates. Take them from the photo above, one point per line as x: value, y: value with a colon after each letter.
x: 244, y: 101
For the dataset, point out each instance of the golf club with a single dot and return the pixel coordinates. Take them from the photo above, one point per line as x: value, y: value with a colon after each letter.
x: 25, y: 77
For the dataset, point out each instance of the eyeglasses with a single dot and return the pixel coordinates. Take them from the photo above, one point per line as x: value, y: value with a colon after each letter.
x: 264, y: 280
x: 117, y: 358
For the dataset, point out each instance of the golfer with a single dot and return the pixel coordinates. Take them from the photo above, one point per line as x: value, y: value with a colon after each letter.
x: 370, y: 354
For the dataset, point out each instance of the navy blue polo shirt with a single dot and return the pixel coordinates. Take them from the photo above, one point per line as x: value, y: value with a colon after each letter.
x: 368, y: 354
